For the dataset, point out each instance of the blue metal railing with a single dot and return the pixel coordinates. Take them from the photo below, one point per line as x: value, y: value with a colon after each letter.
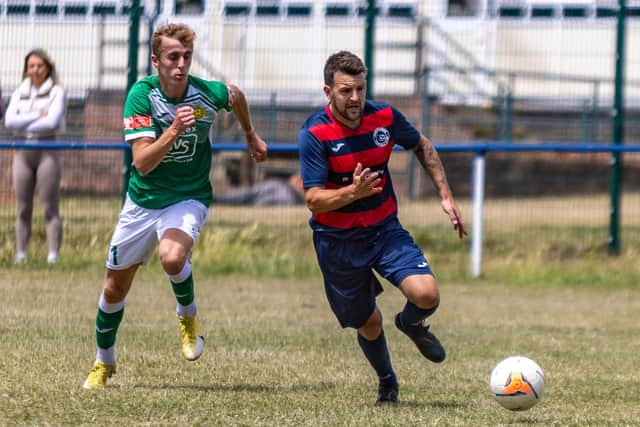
x: 283, y: 147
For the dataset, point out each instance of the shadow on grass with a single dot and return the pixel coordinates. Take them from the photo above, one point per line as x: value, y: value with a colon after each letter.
x: 438, y: 404
x: 246, y: 388
x: 522, y: 421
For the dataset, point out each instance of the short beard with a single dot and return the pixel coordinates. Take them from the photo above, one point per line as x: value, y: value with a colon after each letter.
x: 345, y: 113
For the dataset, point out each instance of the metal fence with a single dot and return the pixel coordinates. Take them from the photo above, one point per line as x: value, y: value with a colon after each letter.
x: 522, y: 191
x: 485, y: 74
x: 488, y: 74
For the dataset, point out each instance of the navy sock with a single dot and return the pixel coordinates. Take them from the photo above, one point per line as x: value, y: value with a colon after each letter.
x: 378, y: 355
x: 412, y: 314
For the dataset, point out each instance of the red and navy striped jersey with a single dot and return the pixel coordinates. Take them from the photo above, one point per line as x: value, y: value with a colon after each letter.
x: 329, y: 152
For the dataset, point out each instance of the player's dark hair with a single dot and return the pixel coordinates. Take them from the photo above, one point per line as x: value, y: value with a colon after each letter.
x: 180, y: 32
x: 345, y: 62
x: 51, y: 66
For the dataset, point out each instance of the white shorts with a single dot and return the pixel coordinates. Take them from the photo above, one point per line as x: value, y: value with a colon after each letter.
x: 139, y: 230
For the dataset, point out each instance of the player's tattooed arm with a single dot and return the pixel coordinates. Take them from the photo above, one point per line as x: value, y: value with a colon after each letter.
x: 430, y: 161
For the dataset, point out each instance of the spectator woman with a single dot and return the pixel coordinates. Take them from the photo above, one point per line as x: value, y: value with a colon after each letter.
x: 35, y: 114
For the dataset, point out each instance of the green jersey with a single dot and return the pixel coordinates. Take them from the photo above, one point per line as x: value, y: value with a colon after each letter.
x: 183, y: 173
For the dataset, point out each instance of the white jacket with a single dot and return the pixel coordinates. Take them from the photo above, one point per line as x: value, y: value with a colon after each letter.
x: 23, y: 114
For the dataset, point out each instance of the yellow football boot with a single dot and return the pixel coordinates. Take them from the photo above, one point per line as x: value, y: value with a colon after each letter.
x: 98, y: 375
x: 192, y: 339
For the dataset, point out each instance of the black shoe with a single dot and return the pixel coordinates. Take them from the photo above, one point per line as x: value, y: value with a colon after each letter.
x: 426, y: 342
x: 387, y: 394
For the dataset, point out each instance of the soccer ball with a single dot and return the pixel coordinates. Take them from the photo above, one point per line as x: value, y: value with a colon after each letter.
x: 517, y: 383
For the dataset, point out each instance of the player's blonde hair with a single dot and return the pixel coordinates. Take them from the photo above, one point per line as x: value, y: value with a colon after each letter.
x: 180, y: 32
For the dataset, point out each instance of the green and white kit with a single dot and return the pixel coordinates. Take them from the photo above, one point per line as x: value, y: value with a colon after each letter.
x: 184, y: 171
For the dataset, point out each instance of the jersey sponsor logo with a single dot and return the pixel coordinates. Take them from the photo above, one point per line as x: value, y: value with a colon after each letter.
x: 337, y: 147
x: 137, y: 122
x: 183, y: 150
x: 381, y: 137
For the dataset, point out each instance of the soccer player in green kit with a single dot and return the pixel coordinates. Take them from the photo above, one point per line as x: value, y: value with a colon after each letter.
x: 167, y: 118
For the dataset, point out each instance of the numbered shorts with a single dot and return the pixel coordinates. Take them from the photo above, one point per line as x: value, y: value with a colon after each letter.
x: 139, y: 230
x: 348, y: 267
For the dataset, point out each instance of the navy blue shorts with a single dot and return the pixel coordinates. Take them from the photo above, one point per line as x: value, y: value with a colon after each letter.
x: 348, y: 267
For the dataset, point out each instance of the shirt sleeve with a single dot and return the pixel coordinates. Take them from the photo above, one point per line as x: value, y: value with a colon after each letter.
x: 221, y: 95
x: 15, y: 121
x: 313, y: 161
x: 55, y: 114
x: 403, y: 132
x: 137, y: 114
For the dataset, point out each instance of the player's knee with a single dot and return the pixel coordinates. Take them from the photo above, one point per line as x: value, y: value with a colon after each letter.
x: 427, y: 297
x: 112, y: 293
x: 373, y: 327
x: 172, y: 263
x: 172, y: 259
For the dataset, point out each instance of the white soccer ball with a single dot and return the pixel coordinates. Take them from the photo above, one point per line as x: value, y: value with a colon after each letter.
x: 517, y: 383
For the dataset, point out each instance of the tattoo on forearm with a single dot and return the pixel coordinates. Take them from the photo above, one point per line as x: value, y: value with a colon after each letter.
x: 430, y: 161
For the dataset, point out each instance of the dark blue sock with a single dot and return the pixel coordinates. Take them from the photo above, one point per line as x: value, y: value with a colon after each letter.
x: 378, y: 355
x: 412, y: 314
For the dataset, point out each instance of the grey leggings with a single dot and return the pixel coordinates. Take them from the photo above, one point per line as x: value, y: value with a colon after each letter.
x: 31, y: 167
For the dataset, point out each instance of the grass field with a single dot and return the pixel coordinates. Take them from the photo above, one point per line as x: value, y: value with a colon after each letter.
x: 550, y: 240
x: 275, y: 355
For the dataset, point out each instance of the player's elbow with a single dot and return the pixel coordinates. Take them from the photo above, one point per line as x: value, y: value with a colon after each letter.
x: 313, y: 202
x: 312, y: 205
x: 143, y: 169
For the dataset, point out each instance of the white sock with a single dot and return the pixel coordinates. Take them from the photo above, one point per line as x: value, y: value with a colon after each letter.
x: 186, y: 310
x: 106, y: 355
x: 183, y: 275
x: 108, y: 307
x: 52, y: 257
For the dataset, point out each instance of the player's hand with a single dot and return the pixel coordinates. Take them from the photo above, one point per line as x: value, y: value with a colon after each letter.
x: 365, y: 183
x: 185, y: 117
x: 451, y: 209
x: 256, y: 146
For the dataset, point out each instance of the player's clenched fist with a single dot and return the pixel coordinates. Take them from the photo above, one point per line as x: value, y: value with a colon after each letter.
x: 185, y: 117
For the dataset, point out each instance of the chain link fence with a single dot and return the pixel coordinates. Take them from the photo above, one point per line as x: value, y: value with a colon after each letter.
x: 461, y: 71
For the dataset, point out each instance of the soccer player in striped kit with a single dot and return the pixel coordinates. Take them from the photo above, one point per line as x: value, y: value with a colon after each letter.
x: 344, y: 154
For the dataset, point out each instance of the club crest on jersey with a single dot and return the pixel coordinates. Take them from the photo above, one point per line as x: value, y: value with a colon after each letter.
x: 381, y: 137
x: 199, y: 112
